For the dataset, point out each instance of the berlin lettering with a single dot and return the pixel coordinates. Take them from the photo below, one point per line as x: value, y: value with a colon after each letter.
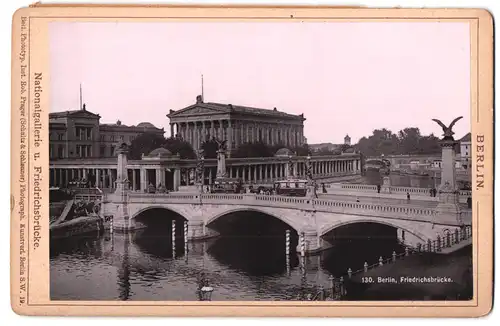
x: 479, y: 161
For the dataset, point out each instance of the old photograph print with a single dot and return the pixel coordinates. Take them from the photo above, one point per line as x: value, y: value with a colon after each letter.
x: 254, y: 161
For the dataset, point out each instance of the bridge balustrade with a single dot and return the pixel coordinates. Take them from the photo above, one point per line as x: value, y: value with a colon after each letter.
x: 323, y: 205
x: 394, y: 189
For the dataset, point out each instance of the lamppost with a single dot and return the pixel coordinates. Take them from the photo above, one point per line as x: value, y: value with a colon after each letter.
x: 201, y: 169
x: 311, y: 182
x: 290, y: 166
x: 309, y: 169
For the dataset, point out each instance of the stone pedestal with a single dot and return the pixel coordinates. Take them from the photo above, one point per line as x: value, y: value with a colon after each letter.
x: 386, y: 185
x: 312, y: 242
x: 118, y: 201
x: 198, y: 231
x: 221, y: 163
x: 448, y: 171
x: 448, y: 209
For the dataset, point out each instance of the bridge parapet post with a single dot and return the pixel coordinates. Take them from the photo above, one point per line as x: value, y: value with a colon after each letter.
x: 311, y: 240
x: 118, y: 201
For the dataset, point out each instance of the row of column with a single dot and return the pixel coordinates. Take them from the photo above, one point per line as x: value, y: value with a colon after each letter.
x: 238, y: 132
x: 102, y: 178
x: 140, y: 178
x: 269, y: 172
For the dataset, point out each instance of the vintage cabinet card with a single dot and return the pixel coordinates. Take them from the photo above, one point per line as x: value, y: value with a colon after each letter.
x: 252, y: 161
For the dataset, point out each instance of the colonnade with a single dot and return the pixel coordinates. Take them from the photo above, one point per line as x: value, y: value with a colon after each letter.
x: 238, y: 132
x: 173, y: 177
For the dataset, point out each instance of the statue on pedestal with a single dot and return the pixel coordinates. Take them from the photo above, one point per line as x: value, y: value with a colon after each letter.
x: 448, y: 208
x: 447, y: 131
x: 221, y: 158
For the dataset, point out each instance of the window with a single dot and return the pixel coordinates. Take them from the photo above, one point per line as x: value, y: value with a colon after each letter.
x: 102, y: 137
x: 102, y: 151
x: 121, y: 138
x: 60, y: 136
x: 112, y: 151
x: 60, y: 151
x: 89, y: 133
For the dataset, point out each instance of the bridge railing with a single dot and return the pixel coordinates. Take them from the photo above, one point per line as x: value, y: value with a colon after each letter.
x: 322, y: 205
x: 431, y: 246
x: 394, y: 189
x: 88, y: 197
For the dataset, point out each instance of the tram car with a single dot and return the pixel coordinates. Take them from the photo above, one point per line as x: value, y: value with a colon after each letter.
x: 291, y: 187
x: 227, y: 186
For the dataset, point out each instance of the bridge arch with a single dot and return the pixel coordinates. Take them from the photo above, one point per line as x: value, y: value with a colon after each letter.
x: 164, y: 207
x: 278, y: 215
x: 324, y: 231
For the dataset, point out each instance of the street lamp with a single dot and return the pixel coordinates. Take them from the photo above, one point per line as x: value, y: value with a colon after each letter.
x: 201, y: 169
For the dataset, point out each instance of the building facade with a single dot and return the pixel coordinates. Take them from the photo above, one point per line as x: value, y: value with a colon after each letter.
x: 79, y: 134
x: 465, y: 151
x: 236, y: 124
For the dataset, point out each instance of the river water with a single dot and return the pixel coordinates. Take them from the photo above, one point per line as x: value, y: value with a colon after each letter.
x: 247, y: 261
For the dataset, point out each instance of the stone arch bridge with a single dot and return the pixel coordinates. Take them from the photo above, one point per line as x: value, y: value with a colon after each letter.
x: 312, y: 217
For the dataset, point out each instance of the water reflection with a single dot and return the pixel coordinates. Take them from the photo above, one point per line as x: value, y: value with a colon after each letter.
x: 141, y: 267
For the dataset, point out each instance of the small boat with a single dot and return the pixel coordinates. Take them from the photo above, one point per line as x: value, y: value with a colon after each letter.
x: 77, y: 226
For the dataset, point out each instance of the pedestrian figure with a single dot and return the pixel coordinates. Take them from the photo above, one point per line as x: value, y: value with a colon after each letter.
x: 469, y: 202
x: 378, y: 189
x: 357, y: 199
x: 408, y: 195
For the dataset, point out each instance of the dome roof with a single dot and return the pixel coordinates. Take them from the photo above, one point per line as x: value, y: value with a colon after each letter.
x: 146, y: 125
x: 283, y: 152
x: 160, y: 152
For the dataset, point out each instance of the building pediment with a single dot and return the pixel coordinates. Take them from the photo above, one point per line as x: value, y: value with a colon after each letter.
x: 74, y: 114
x: 84, y: 114
x: 195, y: 110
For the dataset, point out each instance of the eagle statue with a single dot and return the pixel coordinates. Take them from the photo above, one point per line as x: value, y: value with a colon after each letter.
x: 447, y: 130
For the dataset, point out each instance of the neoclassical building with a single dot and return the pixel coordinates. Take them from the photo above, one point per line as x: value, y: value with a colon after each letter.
x: 236, y: 124
x: 79, y: 134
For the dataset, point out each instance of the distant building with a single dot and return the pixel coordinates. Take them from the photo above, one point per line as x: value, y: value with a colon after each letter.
x: 465, y: 151
x: 78, y: 134
x: 330, y: 147
x: 347, y: 140
x: 324, y: 147
x: 236, y: 124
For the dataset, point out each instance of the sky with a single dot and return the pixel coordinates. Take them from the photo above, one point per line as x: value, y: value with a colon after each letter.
x: 346, y: 77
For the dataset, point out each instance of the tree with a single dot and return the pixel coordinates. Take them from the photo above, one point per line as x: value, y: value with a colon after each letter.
x: 257, y: 149
x: 147, y: 142
x: 302, y: 150
x: 407, y: 141
x: 144, y: 144
x: 178, y: 146
x: 210, y: 148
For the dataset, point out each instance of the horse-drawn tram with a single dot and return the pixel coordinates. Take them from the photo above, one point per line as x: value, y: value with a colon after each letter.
x: 291, y: 187
x: 227, y: 186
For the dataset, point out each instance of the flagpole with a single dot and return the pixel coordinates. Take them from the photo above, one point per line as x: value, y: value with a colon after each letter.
x: 80, y: 96
x: 202, y: 95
